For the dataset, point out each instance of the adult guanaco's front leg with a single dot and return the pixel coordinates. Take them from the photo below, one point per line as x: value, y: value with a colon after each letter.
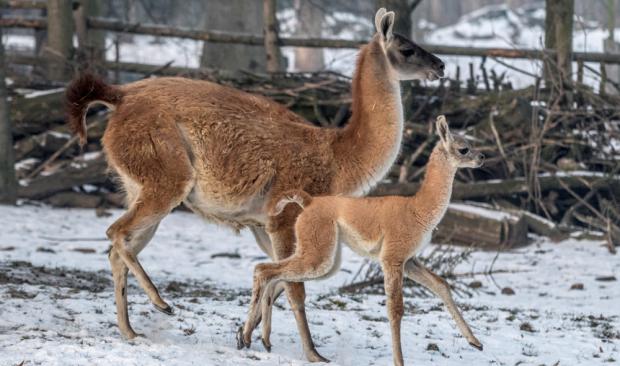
x: 416, y: 271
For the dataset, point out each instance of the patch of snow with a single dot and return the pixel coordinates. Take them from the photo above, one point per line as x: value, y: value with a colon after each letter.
x: 581, y: 173
x: 153, y: 50
x: 60, y: 135
x: 482, y: 211
x: 27, y: 163
x: 91, y: 155
x: 18, y: 42
x: 41, y: 93
x: 90, y: 188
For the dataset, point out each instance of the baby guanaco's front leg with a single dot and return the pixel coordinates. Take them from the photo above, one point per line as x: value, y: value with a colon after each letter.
x: 420, y: 274
x: 393, y: 283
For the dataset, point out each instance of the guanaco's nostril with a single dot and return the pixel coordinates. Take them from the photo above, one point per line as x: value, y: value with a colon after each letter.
x: 442, y: 66
x: 481, y: 156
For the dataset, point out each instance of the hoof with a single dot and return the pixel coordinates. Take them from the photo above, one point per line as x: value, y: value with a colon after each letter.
x: 266, y: 344
x: 240, y: 341
x: 314, y: 356
x: 167, y: 310
x: 476, y: 346
x: 132, y: 336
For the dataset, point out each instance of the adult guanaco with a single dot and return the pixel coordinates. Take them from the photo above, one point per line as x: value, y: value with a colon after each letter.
x: 391, y: 230
x: 228, y: 154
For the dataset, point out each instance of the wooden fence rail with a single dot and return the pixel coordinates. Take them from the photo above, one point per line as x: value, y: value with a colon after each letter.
x: 250, y: 39
x: 29, y: 4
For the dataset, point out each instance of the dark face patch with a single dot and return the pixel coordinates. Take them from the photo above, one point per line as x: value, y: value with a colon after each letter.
x: 412, y: 61
x: 465, y: 155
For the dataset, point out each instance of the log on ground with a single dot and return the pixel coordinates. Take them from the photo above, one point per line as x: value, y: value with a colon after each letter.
x: 483, y: 228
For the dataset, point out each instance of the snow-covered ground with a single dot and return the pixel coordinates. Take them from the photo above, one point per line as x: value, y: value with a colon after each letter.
x: 57, y: 308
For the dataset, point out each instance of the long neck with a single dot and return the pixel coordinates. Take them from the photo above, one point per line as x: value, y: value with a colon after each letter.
x: 433, y: 197
x: 368, y: 146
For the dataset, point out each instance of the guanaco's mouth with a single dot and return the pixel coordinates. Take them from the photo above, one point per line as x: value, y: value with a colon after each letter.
x: 433, y: 75
x: 478, y: 163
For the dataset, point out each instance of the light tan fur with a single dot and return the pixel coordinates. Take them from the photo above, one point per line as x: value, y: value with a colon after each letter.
x: 391, y: 230
x: 229, y: 155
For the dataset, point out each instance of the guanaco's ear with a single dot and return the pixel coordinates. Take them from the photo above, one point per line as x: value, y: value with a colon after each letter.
x: 384, y: 22
x: 443, y: 131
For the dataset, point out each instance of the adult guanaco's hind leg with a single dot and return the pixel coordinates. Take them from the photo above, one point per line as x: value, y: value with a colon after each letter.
x: 119, y: 275
x: 420, y: 274
x: 157, y: 178
x: 129, y: 235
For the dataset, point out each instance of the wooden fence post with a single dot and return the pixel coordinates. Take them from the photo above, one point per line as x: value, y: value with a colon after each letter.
x: 59, y: 51
x: 91, y: 42
x: 270, y: 31
x: 8, y: 184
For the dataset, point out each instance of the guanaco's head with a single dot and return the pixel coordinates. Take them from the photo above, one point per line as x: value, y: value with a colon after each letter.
x: 408, y: 60
x: 458, y: 151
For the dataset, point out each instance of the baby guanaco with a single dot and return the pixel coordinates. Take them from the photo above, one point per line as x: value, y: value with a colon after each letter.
x: 392, y: 230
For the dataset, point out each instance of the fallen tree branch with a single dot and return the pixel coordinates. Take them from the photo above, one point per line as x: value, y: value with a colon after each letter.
x: 77, y: 173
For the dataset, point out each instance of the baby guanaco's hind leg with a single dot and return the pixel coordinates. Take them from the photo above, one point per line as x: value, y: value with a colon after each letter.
x: 420, y: 274
x: 272, y: 292
x: 314, y: 257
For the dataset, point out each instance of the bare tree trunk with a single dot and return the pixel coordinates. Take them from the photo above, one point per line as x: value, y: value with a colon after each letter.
x: 40, y: 36
x: 309, y: 24
x: 8, y: 184
x: 444, y: 12
x: 270, y: 32
x: 559, y: 37
x: 59, y: 38
x: 91, y: 42
x: 234, y: 16
x: 611, y: 46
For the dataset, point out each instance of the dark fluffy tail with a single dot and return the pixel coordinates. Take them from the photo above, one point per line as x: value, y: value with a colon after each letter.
x: 81, y: 93
x: 297, y: 196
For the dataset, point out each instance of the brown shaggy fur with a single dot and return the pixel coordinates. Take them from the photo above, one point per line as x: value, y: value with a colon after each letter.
x: 391, y: 230
x: 228, y: 155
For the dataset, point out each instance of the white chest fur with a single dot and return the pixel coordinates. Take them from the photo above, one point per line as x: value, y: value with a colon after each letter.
x: 357, y: 242
x: 425, y: 240
x: 383, y: 166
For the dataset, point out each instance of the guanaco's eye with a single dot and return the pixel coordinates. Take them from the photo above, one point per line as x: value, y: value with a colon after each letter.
x: 408, y: 52
x: 463, y: 150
